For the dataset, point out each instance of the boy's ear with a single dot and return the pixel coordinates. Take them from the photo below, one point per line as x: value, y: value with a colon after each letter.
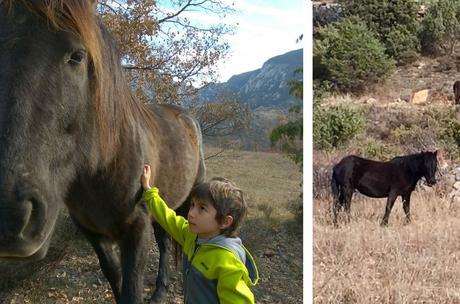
x: 226, y: 222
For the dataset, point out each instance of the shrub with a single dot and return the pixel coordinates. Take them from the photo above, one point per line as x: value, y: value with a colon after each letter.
x: 402, y: 44
x: 372, y: 148
x: 435, y: 128
x: 335, y: 126
x: 447, y: 128
x: 394, y: 21
x: 415, y: 138
x: 349, y: 55
x: 441, y: 27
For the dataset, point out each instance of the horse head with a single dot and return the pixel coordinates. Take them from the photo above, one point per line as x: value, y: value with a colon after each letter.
x: 46, y: 121
x: 430, y: 164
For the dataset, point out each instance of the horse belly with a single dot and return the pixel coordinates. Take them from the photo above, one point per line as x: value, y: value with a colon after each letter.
x: 176, y: 156
x: 373, y: 188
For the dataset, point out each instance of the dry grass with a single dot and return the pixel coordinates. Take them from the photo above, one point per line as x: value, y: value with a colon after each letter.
x: 266, y: 178
x: 365, y: 263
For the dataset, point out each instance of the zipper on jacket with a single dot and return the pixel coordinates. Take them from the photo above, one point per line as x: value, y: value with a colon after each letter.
x: 188, y: 270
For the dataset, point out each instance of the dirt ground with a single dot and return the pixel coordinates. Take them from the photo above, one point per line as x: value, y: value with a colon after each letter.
x: 273, y: 237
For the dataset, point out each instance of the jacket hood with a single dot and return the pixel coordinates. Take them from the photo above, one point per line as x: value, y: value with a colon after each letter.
x: 236, y: 246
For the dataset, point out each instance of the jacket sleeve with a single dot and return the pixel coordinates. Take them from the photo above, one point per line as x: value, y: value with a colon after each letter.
x: 175, y: 225
x: 231, y: 288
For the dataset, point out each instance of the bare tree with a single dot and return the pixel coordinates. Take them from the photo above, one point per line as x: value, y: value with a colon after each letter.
x: 225, y: 116
x: 165, y: 51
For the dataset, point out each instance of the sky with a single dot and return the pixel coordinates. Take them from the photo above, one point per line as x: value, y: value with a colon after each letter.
x: 263, y: 29
x: 266, y: 28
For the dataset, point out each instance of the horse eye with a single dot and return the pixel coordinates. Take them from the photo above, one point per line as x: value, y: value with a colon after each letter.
x: 77, y: 57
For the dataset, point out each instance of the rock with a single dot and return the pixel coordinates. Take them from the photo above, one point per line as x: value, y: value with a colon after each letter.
x: 448, y: 179
x: 420, y: 97
x: 457, y: 185
x: 456, y: 200
x: 457, y: 173
x: 370, y: 101
x: 269, y: 253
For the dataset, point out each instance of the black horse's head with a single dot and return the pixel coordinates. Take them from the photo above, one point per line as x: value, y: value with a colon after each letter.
x: 47, y: 118
x: 430, y: 165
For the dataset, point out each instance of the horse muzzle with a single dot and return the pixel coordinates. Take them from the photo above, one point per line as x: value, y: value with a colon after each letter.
x: 22, y: 226
x: 431, y: 182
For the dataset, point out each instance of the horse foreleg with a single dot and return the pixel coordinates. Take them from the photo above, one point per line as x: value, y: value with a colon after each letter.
x: 162, y: 282
x: 390, y: 202
x: 133, y: 248
x: 108, y: 259
x: 406, y: 207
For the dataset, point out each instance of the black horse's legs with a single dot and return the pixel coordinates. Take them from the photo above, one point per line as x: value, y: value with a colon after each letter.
x: 390, y: 202
x: 335, y: 211
x: 162, y: 283
x: 134, y: 249
x: 406, y: 207
x: 348, y: 193
x: 108, y: 259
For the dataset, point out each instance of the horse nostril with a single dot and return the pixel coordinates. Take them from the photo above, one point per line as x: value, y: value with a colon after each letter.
x: 15, y: 220
x: 36, y: 218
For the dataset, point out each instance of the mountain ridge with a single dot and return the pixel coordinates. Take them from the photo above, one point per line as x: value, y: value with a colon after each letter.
x: 263, y: 87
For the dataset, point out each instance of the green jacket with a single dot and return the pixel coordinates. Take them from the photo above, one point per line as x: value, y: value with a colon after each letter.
x: 218, y: 270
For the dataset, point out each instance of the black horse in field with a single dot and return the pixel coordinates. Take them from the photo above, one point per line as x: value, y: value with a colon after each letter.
x: 456, y: 88
x: 72, y: 134
x: 397, y: 177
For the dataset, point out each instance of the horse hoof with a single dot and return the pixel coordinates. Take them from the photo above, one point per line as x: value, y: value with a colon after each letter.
x: 159, y: 296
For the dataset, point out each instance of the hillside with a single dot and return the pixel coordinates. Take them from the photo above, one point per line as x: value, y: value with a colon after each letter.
x: 264, y: 87
x: 266, y: 90
x: 361, y: 262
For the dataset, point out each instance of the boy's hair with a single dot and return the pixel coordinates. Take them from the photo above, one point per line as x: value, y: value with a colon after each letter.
x: 226, y: 198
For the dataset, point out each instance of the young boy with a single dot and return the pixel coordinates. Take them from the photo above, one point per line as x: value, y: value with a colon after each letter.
x: 217, y: 267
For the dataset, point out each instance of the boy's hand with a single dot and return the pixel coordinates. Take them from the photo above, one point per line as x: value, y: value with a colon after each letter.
x: 145, y: 177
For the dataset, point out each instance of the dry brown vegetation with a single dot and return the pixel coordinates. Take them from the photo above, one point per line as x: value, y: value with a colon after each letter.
x: 361, y: 262
x: 269, y: 180
x: 364, y: 263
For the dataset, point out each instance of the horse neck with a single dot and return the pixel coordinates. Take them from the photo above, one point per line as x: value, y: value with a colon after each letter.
x: 414, y: 164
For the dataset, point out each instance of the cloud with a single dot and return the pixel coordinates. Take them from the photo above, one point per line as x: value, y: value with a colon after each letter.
x: 265, y: 30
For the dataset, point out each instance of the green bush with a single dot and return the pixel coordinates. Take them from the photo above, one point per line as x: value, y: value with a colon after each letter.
x: 372, y: 148
x: 335, y: 126
x: 349, y: 55
x: 415, y: 138
x: 394, y: 21
x: 434, y: 128
x: 447, y: 128
x: 402, y: 44
x: 441, y: 27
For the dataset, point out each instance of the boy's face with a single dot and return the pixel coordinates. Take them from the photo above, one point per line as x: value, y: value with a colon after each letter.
x: 202, y: 219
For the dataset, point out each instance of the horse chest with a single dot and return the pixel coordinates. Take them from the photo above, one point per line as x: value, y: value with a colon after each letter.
x: 100, y: 216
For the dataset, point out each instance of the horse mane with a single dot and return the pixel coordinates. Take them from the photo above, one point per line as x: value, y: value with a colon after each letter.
x: 114, y: 104
x: 411, y: 161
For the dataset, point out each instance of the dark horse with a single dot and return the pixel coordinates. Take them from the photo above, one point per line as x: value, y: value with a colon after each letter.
x: 71, y: 133
x: 397, y: 177
x: 456, y: 88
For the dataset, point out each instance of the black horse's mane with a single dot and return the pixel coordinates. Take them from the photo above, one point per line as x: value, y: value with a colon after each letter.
x: 411, y: 161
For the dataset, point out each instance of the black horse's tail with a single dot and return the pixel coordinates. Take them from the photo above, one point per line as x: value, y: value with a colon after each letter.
x: 336, y: 200
x: 335, y: 187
